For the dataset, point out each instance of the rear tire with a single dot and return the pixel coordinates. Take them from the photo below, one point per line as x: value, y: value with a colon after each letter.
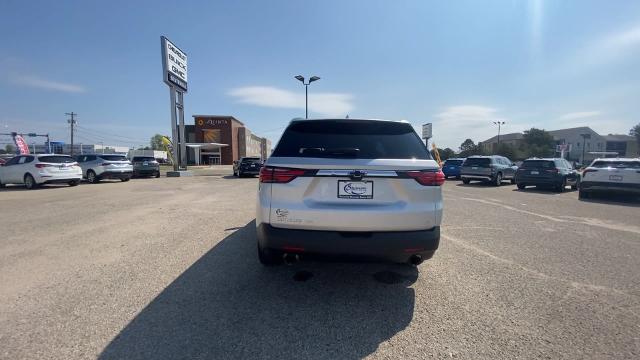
x: 562, y: 185
x: 466, y: 181
x: 268, y: 257
x: 125, y: 179
x: 92, y: 178
x: 513, y: 180
x: 583, y: 195
x: 74, y: 182
x: 498, y: 180
x: 30, y: 182
x: 521, y: 186
x: 157, y: 174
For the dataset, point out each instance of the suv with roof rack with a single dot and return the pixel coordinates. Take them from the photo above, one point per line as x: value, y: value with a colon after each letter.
x: 556, y: 173
x: 493, y: 169
x: 349, y: 188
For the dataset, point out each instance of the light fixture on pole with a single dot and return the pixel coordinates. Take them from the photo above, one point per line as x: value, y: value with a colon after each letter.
x: 306, y: 92
x: 499, y: 123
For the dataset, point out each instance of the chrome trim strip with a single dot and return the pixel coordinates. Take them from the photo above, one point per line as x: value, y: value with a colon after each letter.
x: 368, y: 173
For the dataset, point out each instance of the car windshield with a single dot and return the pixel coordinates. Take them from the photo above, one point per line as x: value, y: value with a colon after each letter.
x: 351, y: 139
x: 538, y: 164
x: 56, y: 159
x: 617, y: 164
x: 146, y: 158
x: 114, y: 157
x: 453, y: 162
x: 482, y: 162
x: 250, y: 160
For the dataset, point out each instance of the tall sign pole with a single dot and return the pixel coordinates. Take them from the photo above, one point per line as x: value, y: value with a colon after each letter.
x: 174, y: 74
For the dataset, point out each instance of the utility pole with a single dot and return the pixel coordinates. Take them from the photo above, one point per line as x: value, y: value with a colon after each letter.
x: 72, y: 122
x: 499, y: 123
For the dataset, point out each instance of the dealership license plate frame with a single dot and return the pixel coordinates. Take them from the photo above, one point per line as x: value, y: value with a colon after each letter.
x: 366, y: 196
x: 616, y: 178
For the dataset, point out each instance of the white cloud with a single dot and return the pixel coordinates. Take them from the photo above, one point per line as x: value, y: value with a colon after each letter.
x: 329, y: 104
x: 609, y: 48
x: 579, y: 115
x: 455, y: 124
x: 40, y: 83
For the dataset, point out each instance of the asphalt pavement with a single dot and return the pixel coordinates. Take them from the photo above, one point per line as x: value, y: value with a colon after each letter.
x: 167, y: 268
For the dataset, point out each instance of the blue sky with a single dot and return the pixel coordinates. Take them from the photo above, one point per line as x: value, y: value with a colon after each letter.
x: 458, y: 64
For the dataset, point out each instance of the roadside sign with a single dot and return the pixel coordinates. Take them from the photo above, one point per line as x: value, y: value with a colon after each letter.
x: 426, y: 131
x: 174, y: 65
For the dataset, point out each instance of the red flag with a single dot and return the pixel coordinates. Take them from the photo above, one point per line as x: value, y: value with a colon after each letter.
x: 21, y: 146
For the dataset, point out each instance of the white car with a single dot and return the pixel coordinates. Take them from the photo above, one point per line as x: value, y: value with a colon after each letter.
x: 34, y: 170
x: 611, y: 175
x: 96, y: 167
x: 349, y: 188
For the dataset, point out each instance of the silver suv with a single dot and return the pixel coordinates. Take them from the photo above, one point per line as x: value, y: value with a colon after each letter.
x: 349, y: 188
x: 96, y: 167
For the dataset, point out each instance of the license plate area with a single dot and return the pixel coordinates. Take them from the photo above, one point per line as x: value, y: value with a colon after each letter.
x: 535, y: 173
x: 615, y: 177
x: 355, y: 189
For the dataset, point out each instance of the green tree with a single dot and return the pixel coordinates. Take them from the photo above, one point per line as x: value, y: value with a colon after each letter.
x: 446, y: 153
x: 10, y: 149
x: 635, y: 131
x: 156, y: 142
x: 468, y: 148
x: 538, y: 143
x: 509, y: 151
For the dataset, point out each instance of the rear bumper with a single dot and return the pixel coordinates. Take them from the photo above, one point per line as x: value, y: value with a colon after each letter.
x: 396, y: 246
x: 57, y: 178
x: 249, y: 171
x: 116, y: 174
x: 609, y: 186
x: 476, y: 177
x: 148, y: 171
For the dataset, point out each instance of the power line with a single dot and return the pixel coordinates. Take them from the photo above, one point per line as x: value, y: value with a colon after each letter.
x: 109, y: 134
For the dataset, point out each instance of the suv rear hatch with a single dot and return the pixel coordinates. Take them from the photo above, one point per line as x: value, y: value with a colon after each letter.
x: 617, y: 172
x: 353, y: 175
x: 538, y: 170
x: 476, y: 167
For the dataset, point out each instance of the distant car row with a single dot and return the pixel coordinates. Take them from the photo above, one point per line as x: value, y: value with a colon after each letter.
x: 609, y: 174
x: 34, y: 170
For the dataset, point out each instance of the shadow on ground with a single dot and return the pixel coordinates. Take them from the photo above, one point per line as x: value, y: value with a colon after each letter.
x: 544, y: 190
x: 613, y: 199
x: 226, y: 305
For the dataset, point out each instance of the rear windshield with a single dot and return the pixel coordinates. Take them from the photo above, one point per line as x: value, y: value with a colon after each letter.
x: 113, y: 157
x: 358, y: 139
x: 617, y: 164
x: 477, y: 162
x: 56, y: 159
x: 251, y: 160
x: 144, y: 158
x: 453, y: 162
x: 538, y: 164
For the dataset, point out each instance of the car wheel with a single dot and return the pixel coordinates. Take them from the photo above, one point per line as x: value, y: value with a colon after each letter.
x: 125, y: 179
x: 513, y: 180
x: 91, y: 177
x: 583, y: 195
x: 458, y: 178
x: 521, y: 186
x: 466, y: 181
x: 574, y: 187
x: 269, y: 257
x: 30, y: 182
x: 240, y: 174
x: 157, y: 174
x: 498, y: 179
x: 74, y: 182
x: 562, y: 185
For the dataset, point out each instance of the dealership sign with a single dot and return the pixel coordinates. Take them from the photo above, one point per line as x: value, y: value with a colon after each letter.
x: 174, y: 65
x: 426, y: 131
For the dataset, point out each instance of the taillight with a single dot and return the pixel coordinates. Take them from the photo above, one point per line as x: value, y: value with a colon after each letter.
x: 586, y: 171
x: 40, y: 166
x: 279, y: 175
x: 427, y: 178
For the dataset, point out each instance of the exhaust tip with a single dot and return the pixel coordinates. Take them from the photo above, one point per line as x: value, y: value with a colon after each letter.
x: 290, y: 259
x: 416, y: 260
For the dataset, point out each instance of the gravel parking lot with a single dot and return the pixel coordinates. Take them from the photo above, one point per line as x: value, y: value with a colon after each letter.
x: 167, y: 268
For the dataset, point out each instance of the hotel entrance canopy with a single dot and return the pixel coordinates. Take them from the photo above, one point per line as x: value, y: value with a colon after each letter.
x: 207, y: 147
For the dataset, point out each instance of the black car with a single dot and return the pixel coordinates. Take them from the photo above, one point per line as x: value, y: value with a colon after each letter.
x: 493, y: 169
x: 247, y: 166
x: 555, y: 173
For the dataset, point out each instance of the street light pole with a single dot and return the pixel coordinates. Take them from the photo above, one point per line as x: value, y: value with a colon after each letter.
x: 499, y: 123
x: 306, y: 92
